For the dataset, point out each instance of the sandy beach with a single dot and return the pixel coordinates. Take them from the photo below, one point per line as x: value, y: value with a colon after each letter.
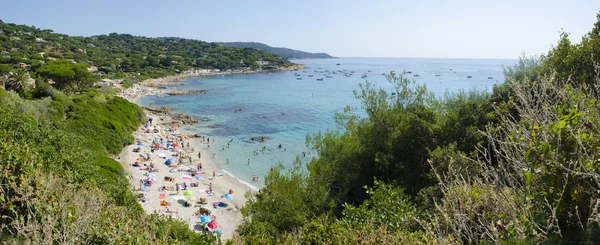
x: 154, y: 184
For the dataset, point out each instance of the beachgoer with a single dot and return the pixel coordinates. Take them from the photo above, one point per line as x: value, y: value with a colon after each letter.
x: 253, y: 178
x: 184, y: 186
x: 248, y: 161
x: 230, y: 191
x: 177, y: 187
x: 227, y: 160
x: 228, y: 145
x: 214, y: 154
x: 214, y: 174
x: 210, y: 188
x: 199, y: 155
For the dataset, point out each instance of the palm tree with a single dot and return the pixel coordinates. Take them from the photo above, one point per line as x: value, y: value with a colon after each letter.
x: 17, y: 81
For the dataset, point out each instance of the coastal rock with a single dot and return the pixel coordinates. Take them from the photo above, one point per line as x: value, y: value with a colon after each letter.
x: 162, y: 110
x: 184, y: 92
x: 260, y: 138
x: 183, y: 118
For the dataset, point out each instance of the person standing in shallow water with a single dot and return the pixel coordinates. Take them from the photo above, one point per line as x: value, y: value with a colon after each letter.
x: 248, y: 161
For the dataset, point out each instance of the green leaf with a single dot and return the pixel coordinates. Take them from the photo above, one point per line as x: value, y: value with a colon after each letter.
x: 531, y: 155
x: 528, y: 176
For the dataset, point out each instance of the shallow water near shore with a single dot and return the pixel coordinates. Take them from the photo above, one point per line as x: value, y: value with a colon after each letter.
x: 241, y: 109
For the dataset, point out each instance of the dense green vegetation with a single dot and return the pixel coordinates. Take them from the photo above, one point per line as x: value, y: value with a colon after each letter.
x: 518, y: 165
x: 121, y: 55
x: 57, y: 185
x: 283, y: 52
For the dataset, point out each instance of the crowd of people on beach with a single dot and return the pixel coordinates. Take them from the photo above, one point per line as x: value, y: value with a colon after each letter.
x: 176, y: 151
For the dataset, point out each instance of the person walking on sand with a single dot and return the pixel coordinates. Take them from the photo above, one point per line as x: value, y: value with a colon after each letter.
x: 177, y: 187
x: 214, y: 174
x: 199, y: 155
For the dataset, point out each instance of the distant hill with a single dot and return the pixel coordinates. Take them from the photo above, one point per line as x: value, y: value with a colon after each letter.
x: 283, y: 52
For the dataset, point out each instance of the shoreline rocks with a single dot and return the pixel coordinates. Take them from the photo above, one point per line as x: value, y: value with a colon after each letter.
x: 185, y: 92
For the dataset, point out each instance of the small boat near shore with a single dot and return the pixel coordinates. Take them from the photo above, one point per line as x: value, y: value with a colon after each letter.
x: 469, y: 76
x: 490, y: 77
x: 319, y: 79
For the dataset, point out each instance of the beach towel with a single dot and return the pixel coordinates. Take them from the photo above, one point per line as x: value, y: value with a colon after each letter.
x: 219, y: 174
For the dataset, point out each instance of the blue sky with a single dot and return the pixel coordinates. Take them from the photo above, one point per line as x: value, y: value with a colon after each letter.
x: 434, y: 28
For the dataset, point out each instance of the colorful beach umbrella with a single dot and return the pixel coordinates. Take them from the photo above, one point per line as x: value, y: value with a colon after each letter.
x: 205, y: 218
x: 219, y: 231
x: 186, y: 177
x: 188, y: 193
x: 198, y: 177
x: 229, y: 196
x: 213, y: 224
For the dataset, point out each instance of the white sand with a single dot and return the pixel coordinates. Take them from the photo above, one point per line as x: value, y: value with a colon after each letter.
x: 227, y: 217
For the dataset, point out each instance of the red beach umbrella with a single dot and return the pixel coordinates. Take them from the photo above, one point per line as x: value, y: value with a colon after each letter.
x: 213, y: 224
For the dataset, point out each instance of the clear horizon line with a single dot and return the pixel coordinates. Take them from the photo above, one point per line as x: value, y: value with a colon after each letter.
x: 395, y: 57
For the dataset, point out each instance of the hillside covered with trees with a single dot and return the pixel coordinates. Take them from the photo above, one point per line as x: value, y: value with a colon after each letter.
x: 122, y: 55
x: 283, y: 52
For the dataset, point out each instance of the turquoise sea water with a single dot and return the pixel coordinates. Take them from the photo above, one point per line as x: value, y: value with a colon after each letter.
x: 285, y: 109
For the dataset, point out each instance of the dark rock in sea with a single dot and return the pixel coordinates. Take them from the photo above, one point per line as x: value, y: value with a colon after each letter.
x: 260, y: 138
x: 184, y: 92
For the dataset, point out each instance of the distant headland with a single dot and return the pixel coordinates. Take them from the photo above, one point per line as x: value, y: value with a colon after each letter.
x: 290, y: 54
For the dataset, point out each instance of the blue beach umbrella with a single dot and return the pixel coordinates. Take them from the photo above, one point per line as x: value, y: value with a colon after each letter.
x: 229, y: 196
x: 140, y: 144
x: 205, y: 218
x: 198, y: 177
x: 219, y: 231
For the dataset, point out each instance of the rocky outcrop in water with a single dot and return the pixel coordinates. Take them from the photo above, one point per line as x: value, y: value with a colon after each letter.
x: 159, y: 110
x: 184, y: 92
x: 183, y: 119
